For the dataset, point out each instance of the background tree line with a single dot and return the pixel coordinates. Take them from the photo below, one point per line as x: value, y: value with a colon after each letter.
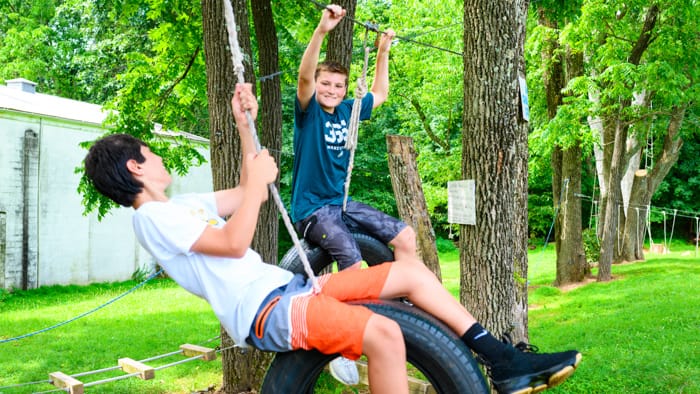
x: 145, y: 59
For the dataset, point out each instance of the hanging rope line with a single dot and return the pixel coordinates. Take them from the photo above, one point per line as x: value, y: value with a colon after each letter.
x: 367, y: 25
x: 84, y: 313
x: 351, y: 141
x: 237, y: 59
x: 673, y: 226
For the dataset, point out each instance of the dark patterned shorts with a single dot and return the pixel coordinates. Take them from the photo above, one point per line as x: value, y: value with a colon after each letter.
x: 331, y: 229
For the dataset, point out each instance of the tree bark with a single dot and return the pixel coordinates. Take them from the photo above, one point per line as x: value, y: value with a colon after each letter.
x: 616, y: 130
x: 242, y: 372
x: 493, y: 253
x: 645, y: 184
x: 410, y: 200
x: 339, y: 46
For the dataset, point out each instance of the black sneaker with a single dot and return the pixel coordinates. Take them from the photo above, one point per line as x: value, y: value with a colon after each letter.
x: 524, y: 371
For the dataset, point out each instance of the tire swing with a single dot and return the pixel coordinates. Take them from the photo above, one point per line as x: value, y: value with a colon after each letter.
x: 372, y: 250
x: 431, y: 347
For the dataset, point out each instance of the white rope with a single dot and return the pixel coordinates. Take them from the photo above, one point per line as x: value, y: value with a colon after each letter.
x: 636, y: 233
x: 665, y: 245
x: 351, y: 140
x: 697, y: 235
x: 673, y: 226
x: 651, y: 239
x: 236, y: 57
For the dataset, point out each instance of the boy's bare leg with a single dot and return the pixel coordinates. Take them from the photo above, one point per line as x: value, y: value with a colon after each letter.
x: 386, y: 356
x: 412, y: 279
x: 405, y: 245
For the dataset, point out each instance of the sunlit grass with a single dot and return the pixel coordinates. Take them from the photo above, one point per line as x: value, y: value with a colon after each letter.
x: 638, y: 333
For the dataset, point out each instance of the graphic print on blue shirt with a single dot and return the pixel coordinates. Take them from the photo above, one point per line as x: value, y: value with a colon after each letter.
x: 335, y: 135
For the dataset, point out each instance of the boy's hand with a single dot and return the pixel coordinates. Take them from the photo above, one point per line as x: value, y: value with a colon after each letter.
x: 244, y: 100
x: 385, y: 40
x: 262, y: 170
x: 332, y: 15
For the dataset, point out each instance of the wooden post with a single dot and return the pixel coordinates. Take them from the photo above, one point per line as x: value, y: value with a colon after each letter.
x: 410, y: 200
x: 59, y: 379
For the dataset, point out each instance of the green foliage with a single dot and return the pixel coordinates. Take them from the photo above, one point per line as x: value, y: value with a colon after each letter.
x: 591, y: 245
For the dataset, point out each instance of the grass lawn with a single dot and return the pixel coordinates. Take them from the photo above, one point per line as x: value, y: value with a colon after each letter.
x: 639, y: 333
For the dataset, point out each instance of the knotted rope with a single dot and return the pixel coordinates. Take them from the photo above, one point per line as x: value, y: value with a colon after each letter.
x: 351, y: 141
x: 236, y: 57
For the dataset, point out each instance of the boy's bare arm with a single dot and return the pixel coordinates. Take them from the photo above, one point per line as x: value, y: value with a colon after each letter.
x: 380, y: 84
x: 330, y: 18
x: 227, y: 201
x: 243, y: 202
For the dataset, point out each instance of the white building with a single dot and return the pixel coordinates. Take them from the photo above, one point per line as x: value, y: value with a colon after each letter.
x: 44, y: 237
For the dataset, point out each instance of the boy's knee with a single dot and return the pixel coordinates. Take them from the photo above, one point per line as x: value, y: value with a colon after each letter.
x: 405, y: 239
x: 384, y: 333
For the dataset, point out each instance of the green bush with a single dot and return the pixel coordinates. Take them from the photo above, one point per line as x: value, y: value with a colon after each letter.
x: 591, y: 245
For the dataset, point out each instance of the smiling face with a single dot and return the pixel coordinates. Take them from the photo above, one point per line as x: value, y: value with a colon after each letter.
x: 331, y: 88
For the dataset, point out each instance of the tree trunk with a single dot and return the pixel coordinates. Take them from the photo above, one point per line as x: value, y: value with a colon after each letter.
x: 612, y: 205
x: 617, y: 130
x: 339, y: 46
x: 241, y: 371
x: 566, y: 163
x: 493, y: 253
x: 410, y: 200
x: 645, y: 184
x: 571, y: 259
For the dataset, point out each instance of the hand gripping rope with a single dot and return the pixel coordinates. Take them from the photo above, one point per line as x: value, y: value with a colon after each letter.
x: 238, y: 69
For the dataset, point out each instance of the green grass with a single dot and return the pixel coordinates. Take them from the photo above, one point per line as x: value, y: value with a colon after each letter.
x: 638, y: 333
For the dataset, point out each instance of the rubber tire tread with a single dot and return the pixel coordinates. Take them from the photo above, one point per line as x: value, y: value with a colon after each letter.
x: 372, y: 250
x: 431, y: 347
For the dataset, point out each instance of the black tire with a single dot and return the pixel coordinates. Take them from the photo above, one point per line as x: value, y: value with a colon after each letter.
x: 431, y: 347
x: 372, y: 250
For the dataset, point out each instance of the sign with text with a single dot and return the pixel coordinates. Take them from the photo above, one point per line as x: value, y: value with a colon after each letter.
x: 461, y: 202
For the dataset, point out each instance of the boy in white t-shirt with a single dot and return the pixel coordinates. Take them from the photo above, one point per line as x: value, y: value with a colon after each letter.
x: 272, y: 309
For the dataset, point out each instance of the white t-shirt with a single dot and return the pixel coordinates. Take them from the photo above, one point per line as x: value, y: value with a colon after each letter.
x: 234, y: 288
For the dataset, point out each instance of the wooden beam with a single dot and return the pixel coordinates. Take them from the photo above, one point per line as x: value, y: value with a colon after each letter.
x: 59, y: 379
x: 129, y: 365
x: 190, y: 350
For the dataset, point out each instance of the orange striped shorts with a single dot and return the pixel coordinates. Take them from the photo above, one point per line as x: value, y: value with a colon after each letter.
x: 299, y: 319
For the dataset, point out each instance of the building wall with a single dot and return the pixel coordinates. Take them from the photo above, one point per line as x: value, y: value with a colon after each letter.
x: 46, y: 233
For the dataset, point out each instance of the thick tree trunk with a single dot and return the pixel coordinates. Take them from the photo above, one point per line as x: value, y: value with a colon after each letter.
x: 616, y: 131
x: 612, y: 205
x: 339, y: 46
x: 493, y: 254
x: 645, y: 184
x: 566, y: 164
x: 410, y: 200
x: 571, y: 259
x: 241, y: 371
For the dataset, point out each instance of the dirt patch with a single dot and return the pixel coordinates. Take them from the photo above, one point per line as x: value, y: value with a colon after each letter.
x: 572, y: 286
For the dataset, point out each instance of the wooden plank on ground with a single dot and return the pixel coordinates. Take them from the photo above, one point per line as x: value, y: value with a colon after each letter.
x: 129, y: 365
x: 190, y: 350
x: 59, y: 379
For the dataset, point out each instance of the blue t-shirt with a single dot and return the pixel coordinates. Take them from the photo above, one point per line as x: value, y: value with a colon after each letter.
x: 320, y: 158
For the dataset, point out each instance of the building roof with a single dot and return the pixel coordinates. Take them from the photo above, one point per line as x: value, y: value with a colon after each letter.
x: 20, y: 95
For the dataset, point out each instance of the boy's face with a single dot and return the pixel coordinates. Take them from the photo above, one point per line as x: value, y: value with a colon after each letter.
x: 330, y: 89
x: 153, y: 169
